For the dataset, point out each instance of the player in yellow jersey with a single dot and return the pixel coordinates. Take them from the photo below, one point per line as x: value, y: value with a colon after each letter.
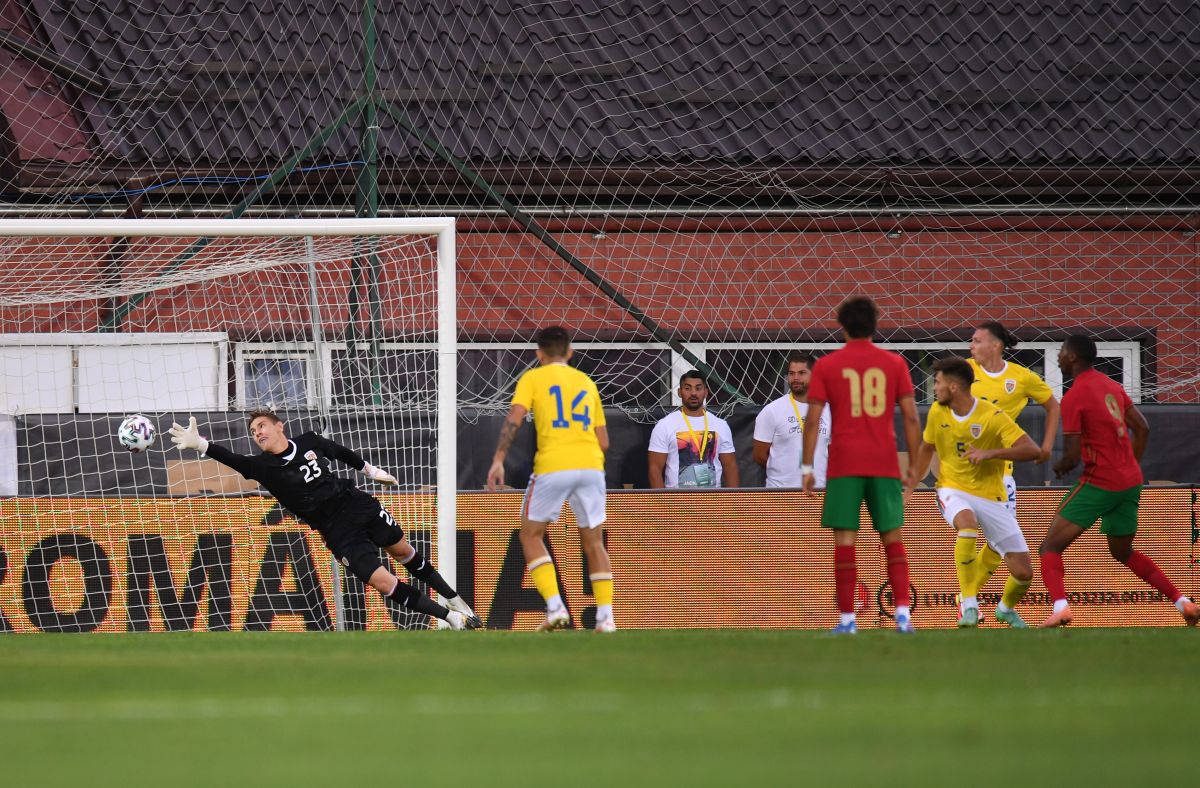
x: 974, y: 440
x: 568, y: 466
x: 1009, y: 387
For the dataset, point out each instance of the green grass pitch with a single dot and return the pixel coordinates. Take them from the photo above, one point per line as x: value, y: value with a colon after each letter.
x: 729, y: 708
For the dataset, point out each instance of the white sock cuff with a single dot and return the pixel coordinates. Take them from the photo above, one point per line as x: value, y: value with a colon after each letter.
x: 968, y: 534
x: 539, y: 561
x: 600, y: 576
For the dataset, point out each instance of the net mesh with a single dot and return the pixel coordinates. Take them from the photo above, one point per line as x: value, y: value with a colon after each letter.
x: 731, y: 171
x: 337, y: 335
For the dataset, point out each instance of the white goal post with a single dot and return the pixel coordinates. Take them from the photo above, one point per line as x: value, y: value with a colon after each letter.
x: 25, y: 285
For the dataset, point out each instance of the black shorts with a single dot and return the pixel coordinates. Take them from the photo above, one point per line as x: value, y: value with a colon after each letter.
x: 357, y: 531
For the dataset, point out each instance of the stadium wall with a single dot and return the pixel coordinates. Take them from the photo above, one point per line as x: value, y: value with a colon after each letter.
x: 755, y: 559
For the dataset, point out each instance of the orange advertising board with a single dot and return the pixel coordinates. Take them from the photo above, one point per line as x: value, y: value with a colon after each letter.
x: 746, y: 558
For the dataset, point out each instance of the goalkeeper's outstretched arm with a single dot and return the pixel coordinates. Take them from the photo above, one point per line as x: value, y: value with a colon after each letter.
x: 189, y: 438
x: 355, y: 461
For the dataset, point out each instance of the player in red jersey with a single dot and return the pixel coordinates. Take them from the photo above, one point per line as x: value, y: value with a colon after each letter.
x: 862, y: 385
x: 1097, y: 418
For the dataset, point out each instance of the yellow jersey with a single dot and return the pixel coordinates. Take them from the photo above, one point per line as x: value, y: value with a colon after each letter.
x: 985, y: 427
x: 566, y: 411
x: 1010, y: 389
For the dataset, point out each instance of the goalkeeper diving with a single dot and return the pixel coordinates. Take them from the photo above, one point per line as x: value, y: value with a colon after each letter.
x: 353, y: 523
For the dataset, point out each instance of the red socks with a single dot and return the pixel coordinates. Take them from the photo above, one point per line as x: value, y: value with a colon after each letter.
x: 1052, y: 575
x: 845, y: 575
x: 897, y: 567
x: 1144, y: 567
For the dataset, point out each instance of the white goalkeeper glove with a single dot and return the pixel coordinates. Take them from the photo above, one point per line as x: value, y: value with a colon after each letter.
x: 188, y: 437
x: 378, y: 474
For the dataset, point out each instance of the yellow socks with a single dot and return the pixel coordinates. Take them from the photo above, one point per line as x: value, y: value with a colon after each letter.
x: 541, y: 571
x: 986, y: 563
x: 1014, y: 592
x: 602, y: 588
x: 964, y: 561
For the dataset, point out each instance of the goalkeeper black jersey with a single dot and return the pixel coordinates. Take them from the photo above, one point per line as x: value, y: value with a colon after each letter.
x: 299, y: 478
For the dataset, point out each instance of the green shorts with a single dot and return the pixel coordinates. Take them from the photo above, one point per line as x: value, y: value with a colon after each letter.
x: 844, y: 497
x: 1117, y: 510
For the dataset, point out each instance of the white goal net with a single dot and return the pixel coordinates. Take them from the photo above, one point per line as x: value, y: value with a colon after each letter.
x: 338, y: 326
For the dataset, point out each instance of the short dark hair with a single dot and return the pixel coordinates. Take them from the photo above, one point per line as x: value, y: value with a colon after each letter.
x: 957, y: 368
x: 858, y: 315
x: 798, y: 357
x: 257, y: 412
x: 693, y: 373
x: 997, y: 329
x: 1084, y: 347
x: 554, y: 341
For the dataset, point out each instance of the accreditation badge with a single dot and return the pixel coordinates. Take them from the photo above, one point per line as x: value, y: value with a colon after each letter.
x: 699, y: 475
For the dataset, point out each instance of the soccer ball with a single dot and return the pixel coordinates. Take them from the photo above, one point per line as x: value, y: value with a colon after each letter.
x: 136, y: 433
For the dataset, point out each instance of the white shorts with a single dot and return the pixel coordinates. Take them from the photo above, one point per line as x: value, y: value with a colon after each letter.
x: 583, y: 489
x: 1010, y: 493
x: 997, y: 520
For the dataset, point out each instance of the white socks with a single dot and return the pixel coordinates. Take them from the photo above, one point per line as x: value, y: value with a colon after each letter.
x: 968, y: 601
x: 847, y: 618
x: 1179, y: 603
x: 1060, y: 605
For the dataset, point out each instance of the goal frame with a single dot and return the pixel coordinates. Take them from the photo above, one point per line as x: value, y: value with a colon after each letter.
x: 442, y: 227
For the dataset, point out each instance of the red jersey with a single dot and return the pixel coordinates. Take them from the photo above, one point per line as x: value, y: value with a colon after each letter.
x: 861, y: 384
x: 1094, y: 409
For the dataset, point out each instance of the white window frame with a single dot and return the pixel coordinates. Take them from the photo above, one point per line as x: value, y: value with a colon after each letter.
x: 1129, y: 352
x: 78, y: 393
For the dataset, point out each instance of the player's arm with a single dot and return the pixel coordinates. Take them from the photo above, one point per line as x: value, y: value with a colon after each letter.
x: 602, y: 438
x: 657, y: 462
x: 1137, y: 424
x: 807, y: 480
x: 912, y: 435
x: 764, y: 431
x: 1072, y: 426
x: 729, y: 470
x: 1072, y: 448
x: 921, y: 462
x: 352, y: 458
x: 1022, y: 450
x: 1053, y: 413
x: 508, y: 431
x: 189, y: 438
x: 762, y: 452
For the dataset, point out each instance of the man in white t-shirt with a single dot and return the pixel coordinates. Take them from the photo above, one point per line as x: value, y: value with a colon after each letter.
x: 779, y: 429
x: 690, y: 447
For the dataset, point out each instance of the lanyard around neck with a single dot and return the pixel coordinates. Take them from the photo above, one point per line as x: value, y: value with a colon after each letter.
x: 692, y: 433
x: 796, y: 409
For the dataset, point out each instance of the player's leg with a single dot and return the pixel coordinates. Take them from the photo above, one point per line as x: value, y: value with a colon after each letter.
x: 839, y: 512
x: 885, y: 502
x: 1119, y: 526
x: 420, y: 567
x: 1079, y: 505
x: 1002, y: 532
x: 1020, y: 576
x: 384, y: 532
x: 361, y: 557
x: 588, y: 503
x: 957, y: 512
x: 543, y: 502
x: 988, y: 559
